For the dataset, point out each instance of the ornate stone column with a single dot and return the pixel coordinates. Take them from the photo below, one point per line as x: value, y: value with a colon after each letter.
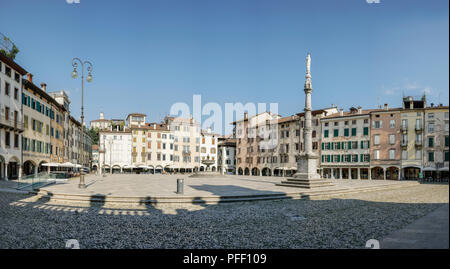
x: 307, y: 176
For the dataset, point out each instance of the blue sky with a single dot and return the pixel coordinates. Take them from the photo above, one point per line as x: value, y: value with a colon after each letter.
x: 148, y: 55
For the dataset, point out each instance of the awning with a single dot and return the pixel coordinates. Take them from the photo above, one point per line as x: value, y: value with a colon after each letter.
x: 51, y: 164
x: 67, y: 164
x: 429, y: 169
x: 443, y: 169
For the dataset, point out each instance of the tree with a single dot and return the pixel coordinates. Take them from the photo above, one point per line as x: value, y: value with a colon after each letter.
x: 93, y: 132
x: 11, y: 53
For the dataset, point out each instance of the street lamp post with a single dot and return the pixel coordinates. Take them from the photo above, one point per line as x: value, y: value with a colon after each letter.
x: 82, y: 185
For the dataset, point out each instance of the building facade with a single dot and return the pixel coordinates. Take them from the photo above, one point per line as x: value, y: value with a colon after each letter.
x: 226, y: 152
x: 115, y: 151
x: 11, y: 119
x: 345, y: 144
x: 412, y: 141
x: 208, y: 149
x: 436, y: 144
x: 385, y: 140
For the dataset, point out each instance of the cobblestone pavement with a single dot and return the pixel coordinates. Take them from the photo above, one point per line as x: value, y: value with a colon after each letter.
x: 340, y: 222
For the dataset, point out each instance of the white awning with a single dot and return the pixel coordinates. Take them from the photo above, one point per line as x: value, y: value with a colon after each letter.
x: 443, y: 169
x: 51, y: 164
x: 67, y: 164
x: 429, y: 169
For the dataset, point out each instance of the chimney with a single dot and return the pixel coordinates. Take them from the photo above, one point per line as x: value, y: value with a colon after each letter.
x: 102, y: 116
x: 359, y: 110
x: 432, y: 104
x: 44, y: 86
x: 30, y: 77
x: 386, y: 107
x: 332, y: 105
x: 245, y: 115
x: 341, y: 112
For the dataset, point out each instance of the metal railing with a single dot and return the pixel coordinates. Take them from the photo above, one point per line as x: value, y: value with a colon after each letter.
x: 11, y: 123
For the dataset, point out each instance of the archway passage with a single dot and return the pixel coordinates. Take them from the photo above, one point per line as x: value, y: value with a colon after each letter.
x: 29, y: 168
x: 247, y: 171
x: 266, y: 172
x: 116, y: 169
x: 202, y: 168
x: 377, y: 173
x: 326, y: 173
x: 42, y: 168
x: 411, y: 173
x: 13, y: 168
x: 393, y: 173
x: 240, y: 171
x: 255, y: 171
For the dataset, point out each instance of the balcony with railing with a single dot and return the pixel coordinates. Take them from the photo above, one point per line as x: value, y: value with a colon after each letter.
x: 404, y: 128
x: 404, y: 143
x: 418, y: 143
x: 11, y: 124
x: 419, y: 127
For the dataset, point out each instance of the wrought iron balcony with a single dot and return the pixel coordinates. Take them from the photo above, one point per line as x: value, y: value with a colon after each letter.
x: 404, y: 143
x: 419, y: 128
x: 404, y: 128
x: 418, y: 143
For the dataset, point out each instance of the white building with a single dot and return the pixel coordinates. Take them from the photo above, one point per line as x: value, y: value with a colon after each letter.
x: 101, y: 123
x: 226, y: 153
x: 11, y: 121
x: 208, y: 149
x: 115, y: 151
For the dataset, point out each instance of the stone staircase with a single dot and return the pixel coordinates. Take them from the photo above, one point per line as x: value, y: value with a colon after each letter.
x: 306, y: 194
x: 305, y: 183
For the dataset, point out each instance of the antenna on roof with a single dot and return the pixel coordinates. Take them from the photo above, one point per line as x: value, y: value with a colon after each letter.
x: 379, y: 106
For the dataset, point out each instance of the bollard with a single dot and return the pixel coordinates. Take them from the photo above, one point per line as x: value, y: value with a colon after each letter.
x: 180, y: 184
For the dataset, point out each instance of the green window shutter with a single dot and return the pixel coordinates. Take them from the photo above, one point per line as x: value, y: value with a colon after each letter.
x: 361, y: 158
x: 346, y: 132
x: 323, y: 147
x: 366, y: 131
x: 446, y: 156
x: 336, y: 132
x: 322, y: 158
x: 362, y: 144
x: 356, y: 159
x: 353, y: 131
x: 368, y: 144
x: 325, y: 133
x: 446, y: 141
x: 349, y: 145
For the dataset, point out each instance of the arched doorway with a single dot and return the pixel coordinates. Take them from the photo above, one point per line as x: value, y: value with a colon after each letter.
x: 116, y: 169
x: 377, y: 172
x: 255, y: 171
x: 13, y: 168
x: 247, y: 171
x: 29, y: 168
x: 158, y: 169
x: 411, y: 173
x: 392, y: 173
x: 202, y: 168
x: 240, y: 171
x: 266, y: 172
x: 213, y: 169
